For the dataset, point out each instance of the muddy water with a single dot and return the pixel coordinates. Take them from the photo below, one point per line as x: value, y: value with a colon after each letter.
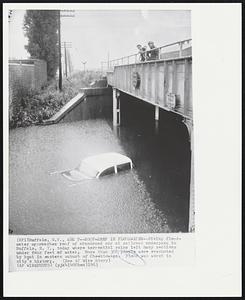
x: 43, y: 204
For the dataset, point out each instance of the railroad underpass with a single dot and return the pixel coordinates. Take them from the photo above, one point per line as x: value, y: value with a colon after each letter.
x: 161, y: 153
x: 142, y: 110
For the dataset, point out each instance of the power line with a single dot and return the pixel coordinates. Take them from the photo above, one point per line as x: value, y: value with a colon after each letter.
x: 65, y: 13
x: 66, y: 44
x: 59, y: 38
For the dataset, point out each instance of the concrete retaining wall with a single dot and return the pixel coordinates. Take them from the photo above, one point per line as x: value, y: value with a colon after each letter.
x: 96, y: 105
x: 90, y: 103
x: 92, y: 107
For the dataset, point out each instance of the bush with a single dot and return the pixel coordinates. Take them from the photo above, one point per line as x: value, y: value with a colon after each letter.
x: 31, y: 106
x: 21, y: 96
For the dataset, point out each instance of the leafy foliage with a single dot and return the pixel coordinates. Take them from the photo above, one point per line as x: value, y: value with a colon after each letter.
x: 33, y: 106
x: 41, y: 29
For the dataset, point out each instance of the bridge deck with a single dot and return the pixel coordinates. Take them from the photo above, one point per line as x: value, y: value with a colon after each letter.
x: 166, y: 83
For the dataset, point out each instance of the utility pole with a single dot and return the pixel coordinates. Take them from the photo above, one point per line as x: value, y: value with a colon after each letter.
x: 65, y: 60
x: 84, y: 63
x: 66, y: 45
x: 60, y: 66
x: 108, y: 61
x: 69, y: 63
x: 59, y: 42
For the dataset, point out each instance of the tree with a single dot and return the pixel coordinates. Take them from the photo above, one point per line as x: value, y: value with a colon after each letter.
x: 41, y: 29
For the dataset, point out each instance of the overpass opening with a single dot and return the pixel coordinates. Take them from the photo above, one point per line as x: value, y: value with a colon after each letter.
x: 161, y: 153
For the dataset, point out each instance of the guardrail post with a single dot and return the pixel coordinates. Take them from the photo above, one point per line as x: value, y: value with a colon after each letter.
x: 180, y: 49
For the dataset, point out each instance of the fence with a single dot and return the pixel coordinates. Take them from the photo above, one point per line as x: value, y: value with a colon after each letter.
x: 32, y: 73
x: 173, y: 50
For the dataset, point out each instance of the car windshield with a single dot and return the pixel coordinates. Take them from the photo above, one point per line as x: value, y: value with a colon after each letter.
x: 87, y: 169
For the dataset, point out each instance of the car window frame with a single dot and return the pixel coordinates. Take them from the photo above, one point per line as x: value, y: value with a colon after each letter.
x: 100, y: 174
x: 130, y: 166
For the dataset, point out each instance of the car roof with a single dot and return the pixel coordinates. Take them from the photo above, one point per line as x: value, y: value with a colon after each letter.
x: 103, y: 161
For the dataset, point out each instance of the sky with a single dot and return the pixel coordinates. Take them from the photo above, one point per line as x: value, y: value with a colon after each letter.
x: 96, y: 33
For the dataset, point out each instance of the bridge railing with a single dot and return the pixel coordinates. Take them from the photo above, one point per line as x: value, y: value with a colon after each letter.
x: 173, y: 50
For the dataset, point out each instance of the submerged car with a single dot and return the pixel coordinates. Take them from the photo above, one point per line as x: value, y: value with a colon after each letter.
x: 100, y: 165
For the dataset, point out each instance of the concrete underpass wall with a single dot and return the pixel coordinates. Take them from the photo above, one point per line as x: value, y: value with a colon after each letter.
x: 92, y: 107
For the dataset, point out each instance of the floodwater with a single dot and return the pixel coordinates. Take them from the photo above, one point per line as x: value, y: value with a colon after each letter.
x: 151, y: 198
x: 161, y: 153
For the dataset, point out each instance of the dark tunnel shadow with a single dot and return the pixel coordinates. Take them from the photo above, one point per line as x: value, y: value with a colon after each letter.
x: 161, y: 154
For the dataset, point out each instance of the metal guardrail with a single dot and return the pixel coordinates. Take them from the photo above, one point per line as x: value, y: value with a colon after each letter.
x: 136, y: 58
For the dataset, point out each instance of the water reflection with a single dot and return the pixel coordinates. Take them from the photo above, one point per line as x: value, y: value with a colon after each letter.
x: 156, y: 127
